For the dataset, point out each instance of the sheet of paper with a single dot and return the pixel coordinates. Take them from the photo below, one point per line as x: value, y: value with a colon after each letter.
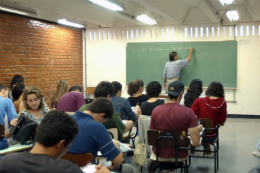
x: 124, y: 121
x: 89, y: 169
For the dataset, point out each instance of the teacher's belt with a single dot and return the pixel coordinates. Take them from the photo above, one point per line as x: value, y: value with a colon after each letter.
x: 174, y: 78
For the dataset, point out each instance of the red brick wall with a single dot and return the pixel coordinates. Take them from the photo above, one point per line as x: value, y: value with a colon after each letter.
x: 42, y: 52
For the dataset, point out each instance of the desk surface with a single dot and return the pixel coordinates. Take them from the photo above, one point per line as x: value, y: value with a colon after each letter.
x: 15, y: 148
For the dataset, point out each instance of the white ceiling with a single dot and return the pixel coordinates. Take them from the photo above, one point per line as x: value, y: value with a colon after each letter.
x: 166, y: 12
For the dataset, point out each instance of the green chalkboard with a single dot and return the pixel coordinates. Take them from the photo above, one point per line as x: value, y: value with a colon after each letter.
x: 211, y: 61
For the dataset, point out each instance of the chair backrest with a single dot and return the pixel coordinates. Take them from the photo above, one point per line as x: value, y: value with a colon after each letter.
x: 114, y: 131
x: 207, y: 123
x: 70, y: 113
x: 2, y: 131
x: 180, y: 137
x: 79, y: 159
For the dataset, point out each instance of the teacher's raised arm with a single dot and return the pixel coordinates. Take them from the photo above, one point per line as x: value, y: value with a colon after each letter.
x: 172, y: 69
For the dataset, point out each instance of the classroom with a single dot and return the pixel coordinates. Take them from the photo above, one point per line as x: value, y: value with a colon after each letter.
x: 113, y: 45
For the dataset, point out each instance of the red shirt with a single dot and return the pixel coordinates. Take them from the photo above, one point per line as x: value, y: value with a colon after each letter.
x: 216, y: 109
x: 71, y: 102
x: 172, y: 116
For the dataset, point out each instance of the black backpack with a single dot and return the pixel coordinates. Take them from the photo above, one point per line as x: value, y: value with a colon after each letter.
x: 25, y: 129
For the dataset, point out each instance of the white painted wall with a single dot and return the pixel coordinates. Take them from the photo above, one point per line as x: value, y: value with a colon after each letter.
x: 106, y: 57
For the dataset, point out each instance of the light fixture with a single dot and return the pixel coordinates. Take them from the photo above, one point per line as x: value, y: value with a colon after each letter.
x: 145, y: 19
x: 223, y: 2
x: 65, y: 22
x: 232, y: 15
x: 107, y: 4
x: 13, y: 8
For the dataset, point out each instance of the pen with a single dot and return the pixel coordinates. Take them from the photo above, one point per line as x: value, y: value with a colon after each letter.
x: 100, y: 166
x: 137, y: 103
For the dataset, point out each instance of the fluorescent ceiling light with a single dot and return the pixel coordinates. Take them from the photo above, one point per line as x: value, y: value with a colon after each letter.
x: 223, y: 2
x: 13, y: 8
x: 108, y: 5
x: 143, y: 18
x: 65, y: 22
x: 232, y: 15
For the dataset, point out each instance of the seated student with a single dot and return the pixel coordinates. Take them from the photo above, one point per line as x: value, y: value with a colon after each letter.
x: 173, y: 116
x: 72, y: 101
x: 213, y: 106
x: 45, y: 155
x: 135, y: 90
x: 62, y: 89
x: 153, y: 90
x: 122, y: 105
x: 93, y: 136
x: 6, y: 109
x: 17, y: 93
x: 105, y: 89
x: 17, y: 78
x: 193, y: 92
x: 33, y: 105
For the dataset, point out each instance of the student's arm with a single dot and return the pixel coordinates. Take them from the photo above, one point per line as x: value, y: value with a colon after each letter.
x: 129, y: 125
x: 223, y: 115
x: 190, y: 54
x: 80, y: 101
x: 118, y: 160
x: 129, y: 113
x: 195, y: 136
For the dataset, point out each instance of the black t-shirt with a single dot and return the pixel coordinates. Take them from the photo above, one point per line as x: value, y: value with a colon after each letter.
x: 140, y: 99
x: 147, y: 107
x: 26, y: 162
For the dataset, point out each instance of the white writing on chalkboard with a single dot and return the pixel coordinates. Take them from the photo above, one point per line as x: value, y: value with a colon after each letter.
x: 156, y: 49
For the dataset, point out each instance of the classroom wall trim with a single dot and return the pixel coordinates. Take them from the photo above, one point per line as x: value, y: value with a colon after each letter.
x: 106, y: 55
x: 43, y: 52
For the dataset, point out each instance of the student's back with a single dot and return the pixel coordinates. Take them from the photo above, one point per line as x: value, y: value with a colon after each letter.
x: 71, y: 102
x: 36, y: 163
x: 137, y: 100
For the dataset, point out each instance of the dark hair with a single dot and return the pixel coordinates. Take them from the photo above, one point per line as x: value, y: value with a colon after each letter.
x: 2, y: 86
x: 102, y: 105
x: 104, y: 89
x: 134, y: 86
x: 29, y: 91
x: 193, y: 92
x: 117, y: 87
x: 17, y: 90
x: 172, y: 97
x: 17, y: 78
x: 215, y: 89
x: 75, y: 87
x: 153, y: 89
x: 172, y: 55
x: 56, y: 126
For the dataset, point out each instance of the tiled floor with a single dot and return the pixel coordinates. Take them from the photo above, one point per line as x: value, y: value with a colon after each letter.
x: 238, y: 139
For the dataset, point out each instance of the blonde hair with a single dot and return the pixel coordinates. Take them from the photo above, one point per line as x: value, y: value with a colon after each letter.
x: 134, y: 86
x: 29, y: 91
x: 62, y: 88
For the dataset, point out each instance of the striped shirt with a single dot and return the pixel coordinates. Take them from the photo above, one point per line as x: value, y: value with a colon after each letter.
x: 172, y: 68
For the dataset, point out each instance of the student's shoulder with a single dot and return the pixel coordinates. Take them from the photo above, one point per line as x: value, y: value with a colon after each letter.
x: 61, y: 165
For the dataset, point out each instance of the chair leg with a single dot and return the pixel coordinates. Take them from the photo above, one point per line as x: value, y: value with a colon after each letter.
x: 215, y: 159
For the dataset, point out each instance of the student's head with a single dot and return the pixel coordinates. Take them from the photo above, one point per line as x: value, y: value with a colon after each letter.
x: 57, y: 131
x: 175, y: 90
x: 135, y: 86
x: 3, y: 91
x: 173, y: 56
x: 103, y: 109
x: 75, y: 88
x: 215, y: 89
x: 195, y: 86
x: 62, y: 88
x: 104, y: 89
x: 117, y: 88
x: 32, y: 98
x: 17, y: 90
x: 153, y: 89
x: 16, y: 79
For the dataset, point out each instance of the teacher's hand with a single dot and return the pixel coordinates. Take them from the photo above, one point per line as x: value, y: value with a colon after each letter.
x: 164, y: 85
x: 191, y: 49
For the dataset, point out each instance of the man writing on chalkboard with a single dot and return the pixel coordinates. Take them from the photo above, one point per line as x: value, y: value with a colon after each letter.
x: 172, y: 69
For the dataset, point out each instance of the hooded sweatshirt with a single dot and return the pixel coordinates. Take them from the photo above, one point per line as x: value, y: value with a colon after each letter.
x: 216, y: 109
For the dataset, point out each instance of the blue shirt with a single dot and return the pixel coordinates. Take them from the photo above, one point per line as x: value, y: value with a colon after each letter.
x: 6, y: 108
x: 92, y: 137
x: 172, y: 68
x: 123, y: 107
